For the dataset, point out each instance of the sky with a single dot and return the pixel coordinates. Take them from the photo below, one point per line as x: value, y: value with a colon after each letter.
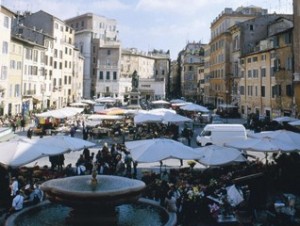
x: 151, y: 24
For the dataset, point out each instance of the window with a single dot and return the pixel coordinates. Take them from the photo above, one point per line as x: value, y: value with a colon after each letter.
x: 28, y: 54
x: 66, y: 50
x: 276, y: 91
x: 289, y: 90
x: 249, y: 88
x: 101, y: 75
x: 12, y: 64
x: 276, y: 41
x: 249, y: 60
x: 107, y: 75
x: 242, y: 90
x: 288, y: 38
x: 3, y: 75
x: 55, y: 53
x: 6, y: 22
x: 66, y: 80
x: 263, y: 91
x: 254, y: 59
x: 114, y: 75
x: 108, y: 52
x: 5, y: 47
x: 255, y: 73
x: 249, y: 73
x: 35, y: 55
x: 70, y: 80
x: 263, y: 72
x: 289, y: 64
x: 277, y: 64
x: 17, y: 90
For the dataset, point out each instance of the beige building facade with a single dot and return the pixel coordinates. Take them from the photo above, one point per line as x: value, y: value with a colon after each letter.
x: 6, y: 17
x: 221, y: 80
x: 265, y: 87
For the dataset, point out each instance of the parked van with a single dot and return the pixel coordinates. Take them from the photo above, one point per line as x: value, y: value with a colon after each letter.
x: 220, y: 133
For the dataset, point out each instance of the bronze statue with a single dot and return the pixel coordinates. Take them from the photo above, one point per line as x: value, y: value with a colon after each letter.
x: 134, y: 81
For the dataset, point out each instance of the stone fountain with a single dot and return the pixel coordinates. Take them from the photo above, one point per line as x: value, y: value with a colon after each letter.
x: 93, y: 199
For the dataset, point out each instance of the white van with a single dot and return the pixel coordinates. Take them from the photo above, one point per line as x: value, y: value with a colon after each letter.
x: 220, y: 133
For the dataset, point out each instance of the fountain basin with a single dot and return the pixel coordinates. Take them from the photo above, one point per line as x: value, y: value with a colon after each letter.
x: 78, y: 192
x: 143, y: 213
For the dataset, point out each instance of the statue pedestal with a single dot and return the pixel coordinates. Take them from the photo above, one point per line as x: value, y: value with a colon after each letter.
x: 134, y: 99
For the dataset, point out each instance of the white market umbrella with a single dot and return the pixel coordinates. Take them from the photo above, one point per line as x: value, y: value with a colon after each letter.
x: 65, y: 142
x: 174, y: 101
x: 22, y: 151
x: 194, y: 107
x: 161, y: 111
x: 106, y: 100
x: 96, y: 117
x: 214, y: 155
x: 78, y: 104
x: 284, y: 119
x: 264, y: 144
x: 285, y: 136
x: 155, y: 150
x: 175, y: 118
x: 61, y: 113
x: 147, y: 118
x: 295, y: 123
x: 88, y: 101
x: 159, y: 102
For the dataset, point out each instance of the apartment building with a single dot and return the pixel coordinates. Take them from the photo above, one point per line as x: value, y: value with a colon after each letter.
x: 265, y: 87
x: 220, y: 44
x: 6, y: 17
x: 192, y: 59
x: 56, y: 66
x: 14, y: 95
x: 97, y: 39
x: 153, y: 69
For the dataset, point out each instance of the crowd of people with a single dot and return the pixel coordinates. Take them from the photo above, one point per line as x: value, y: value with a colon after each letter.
x: 22, y: 195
